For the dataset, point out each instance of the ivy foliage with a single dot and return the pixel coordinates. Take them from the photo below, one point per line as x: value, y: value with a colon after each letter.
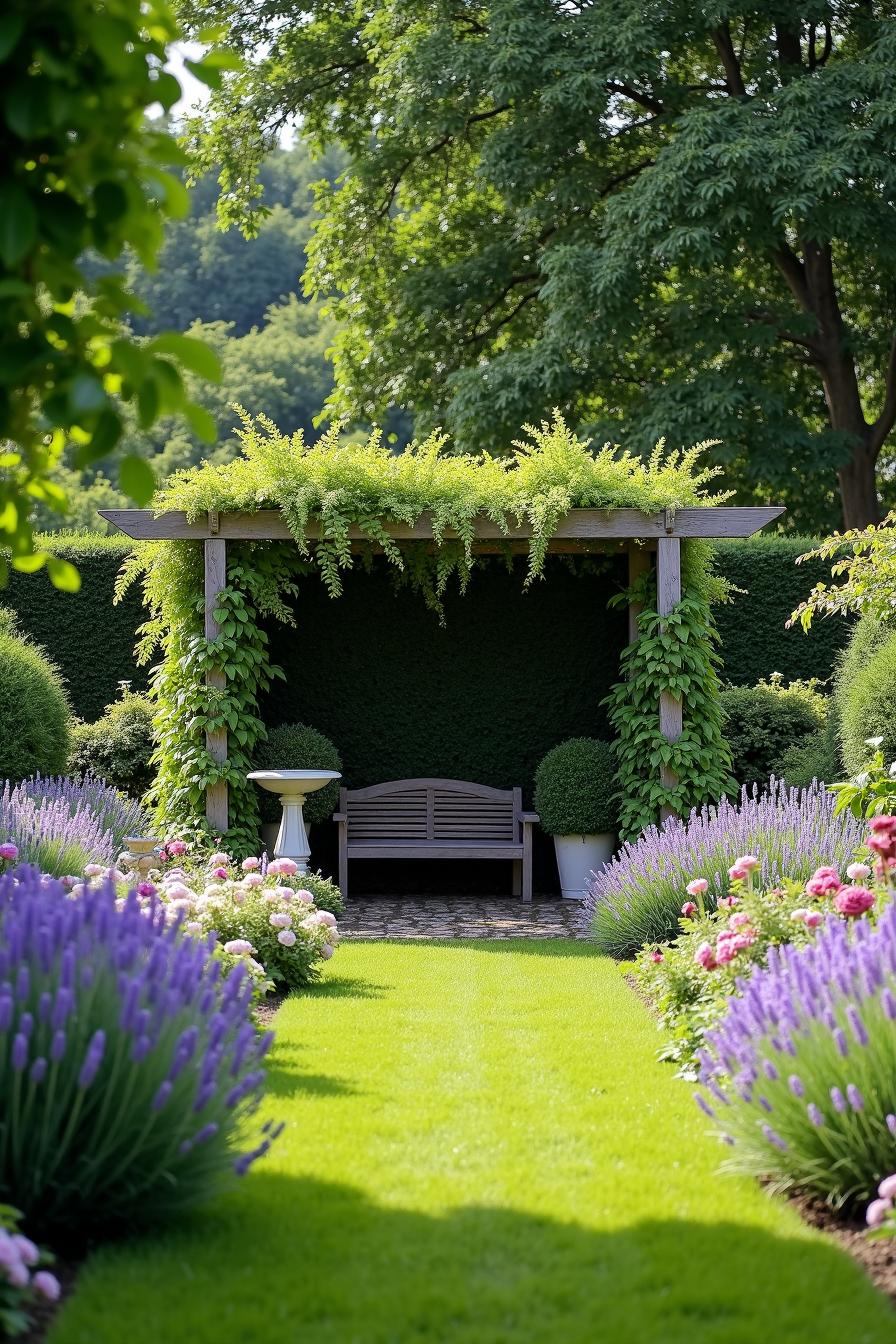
x: 83, y: 170
x: 675, y: 653
x: 324, y: 490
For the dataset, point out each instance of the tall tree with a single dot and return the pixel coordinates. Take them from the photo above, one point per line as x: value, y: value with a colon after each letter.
x: 669, y: 218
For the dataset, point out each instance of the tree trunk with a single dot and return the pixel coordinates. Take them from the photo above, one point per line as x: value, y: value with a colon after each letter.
x: 858, y: 488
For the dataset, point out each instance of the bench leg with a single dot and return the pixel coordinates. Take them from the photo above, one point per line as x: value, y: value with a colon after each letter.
x: 527, y: 862
x: 517, y: 888
x: 343, y: 860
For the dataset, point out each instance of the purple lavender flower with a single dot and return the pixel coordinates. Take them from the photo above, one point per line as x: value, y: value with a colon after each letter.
x: 838, y: 1099
x: 774, y: 1138
x: 636, y: 899
x: 856, y: 1024
x: 840, y: 1041
x: 795, y: 1083
x: 815, y: 1115
x: 19, y: 1052
x: 856, y: 1100
x: 92, y: 1059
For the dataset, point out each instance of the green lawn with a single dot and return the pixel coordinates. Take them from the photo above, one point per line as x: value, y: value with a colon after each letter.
x: 480, y: 1148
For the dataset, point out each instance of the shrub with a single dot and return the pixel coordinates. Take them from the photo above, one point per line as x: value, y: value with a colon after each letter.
x: 131, y: 1066
x: 691, y: 980
x: 25, y: 1280
x: 118, y: 746
x: 636, y: 899
x: 574, y: 786
x: 295, y: 746
x: 818, y: 756
x: 761, y: 722
x: 801, y: 1068
x: 866, y: 695
x: 60, y: 824
x: 34, y: 710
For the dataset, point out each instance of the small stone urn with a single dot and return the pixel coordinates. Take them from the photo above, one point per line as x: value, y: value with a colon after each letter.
x: 141, y: 855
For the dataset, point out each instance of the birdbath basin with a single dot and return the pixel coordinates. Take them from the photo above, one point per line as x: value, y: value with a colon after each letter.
x: 293, y: 786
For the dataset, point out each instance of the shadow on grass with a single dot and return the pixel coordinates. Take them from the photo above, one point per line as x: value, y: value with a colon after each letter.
x: 317, y: 1262
x: 342, y: 987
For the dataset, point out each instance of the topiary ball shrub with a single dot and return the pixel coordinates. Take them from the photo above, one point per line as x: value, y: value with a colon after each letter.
x: 574, y: 788
x: 118, y: 747
x: 129, y: 1064
x: 35, y: 719
x: 866, y: 698
x: 762, y: 723
x: 296, y: 746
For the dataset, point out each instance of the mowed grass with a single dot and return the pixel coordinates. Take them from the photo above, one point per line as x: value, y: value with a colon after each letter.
x: 480, y: 1148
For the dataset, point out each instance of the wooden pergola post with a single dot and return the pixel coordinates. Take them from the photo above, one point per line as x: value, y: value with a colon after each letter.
x: 581, y: 532
x: 215, y: 740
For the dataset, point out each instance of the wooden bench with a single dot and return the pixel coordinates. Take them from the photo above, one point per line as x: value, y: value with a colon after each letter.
x: 436, y: 819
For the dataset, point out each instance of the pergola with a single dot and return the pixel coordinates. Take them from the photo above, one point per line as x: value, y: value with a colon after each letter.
x: 581, y: 532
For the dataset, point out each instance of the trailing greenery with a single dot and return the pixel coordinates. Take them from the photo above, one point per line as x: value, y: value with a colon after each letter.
x: 574, y: 788
x: 673, y: 654
x: 326, y: 488
x: 762, y: 723
x: 35, y: 719
x: 118, y: 747
x: 296, y: 746
x: 864, y: 562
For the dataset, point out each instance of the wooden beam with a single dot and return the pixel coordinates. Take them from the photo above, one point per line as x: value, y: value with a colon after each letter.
x: 668, y: 595
x: 216, y: 808
x: 584, y: 524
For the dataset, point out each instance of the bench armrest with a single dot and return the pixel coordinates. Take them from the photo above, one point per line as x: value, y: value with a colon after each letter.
x: 340, y: 816
x: 529, y: 818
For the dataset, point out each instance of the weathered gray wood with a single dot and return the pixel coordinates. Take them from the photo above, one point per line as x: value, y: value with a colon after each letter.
x: 638, y: 565
x: 584, y: 524
x: 216, y: 808
x: 668, y: 588
x: 436, y: 819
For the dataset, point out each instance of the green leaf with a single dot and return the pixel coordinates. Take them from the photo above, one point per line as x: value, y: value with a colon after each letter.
x: 137, y: 479
x: 194, y: 355
x: 11, y: 26
x: 201, y: 421
x: 18, y: 223
x: 63, y: 575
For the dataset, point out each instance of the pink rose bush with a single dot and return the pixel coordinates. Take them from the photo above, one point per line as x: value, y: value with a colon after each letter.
x: 881, y: 1212
x: 25, y: 1280
x: 278, y: 924
x: 692, y: 978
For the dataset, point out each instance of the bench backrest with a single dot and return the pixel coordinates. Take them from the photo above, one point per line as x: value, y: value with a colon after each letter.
x: 432, y: 809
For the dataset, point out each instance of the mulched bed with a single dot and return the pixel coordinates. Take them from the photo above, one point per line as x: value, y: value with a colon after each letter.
x: 877, y: 1257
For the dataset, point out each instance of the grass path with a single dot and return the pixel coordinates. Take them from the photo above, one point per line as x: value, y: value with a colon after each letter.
x: 479, y: 1149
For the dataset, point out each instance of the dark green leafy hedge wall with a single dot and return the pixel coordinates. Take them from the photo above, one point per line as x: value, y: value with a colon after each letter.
x: 379, y: 654
x: 90, y: 640
x: 754, y: 640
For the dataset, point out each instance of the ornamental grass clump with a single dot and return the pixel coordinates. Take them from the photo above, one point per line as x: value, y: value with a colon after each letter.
x: 801, y: 1073
x: 60, y: 825
x: 637, y: 898
x: 128, y: 1063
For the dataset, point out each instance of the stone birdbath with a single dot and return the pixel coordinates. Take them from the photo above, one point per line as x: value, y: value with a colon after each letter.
x: 293, y: 786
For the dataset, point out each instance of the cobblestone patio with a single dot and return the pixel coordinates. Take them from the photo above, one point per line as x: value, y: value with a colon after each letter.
x: 461, y: 917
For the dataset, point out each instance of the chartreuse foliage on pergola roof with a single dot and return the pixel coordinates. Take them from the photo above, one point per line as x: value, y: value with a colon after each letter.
x: 335, y: 497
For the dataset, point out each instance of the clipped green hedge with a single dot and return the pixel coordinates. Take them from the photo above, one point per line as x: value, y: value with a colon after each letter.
x: 754, y: 641
x: 90, y: 640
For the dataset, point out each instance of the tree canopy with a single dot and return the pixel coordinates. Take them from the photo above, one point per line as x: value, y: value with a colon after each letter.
x: 669, y: 219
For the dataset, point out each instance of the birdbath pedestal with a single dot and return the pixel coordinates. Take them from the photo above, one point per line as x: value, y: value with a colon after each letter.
x: 293, y: 786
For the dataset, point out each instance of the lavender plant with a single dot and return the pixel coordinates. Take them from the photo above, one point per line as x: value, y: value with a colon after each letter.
x: 128, y: 1064
x: 637, y: 898
x: 59, y: 825
x: 802, y: 1071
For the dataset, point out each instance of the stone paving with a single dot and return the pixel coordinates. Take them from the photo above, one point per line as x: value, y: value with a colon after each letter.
x: 461, y: 917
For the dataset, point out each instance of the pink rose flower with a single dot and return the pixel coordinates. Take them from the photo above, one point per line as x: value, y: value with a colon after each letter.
x: 657, y: 957
x: 253, y: 880
x: 885, y: 824
x: 326, y: 951
x: 47, y: 1285
x: 737, y: 873
x: 280, y: 920
x: 220, y: 874
x: 728, y: 902
x: 853, y: 901
x: 176, y: 848
x: 283, y: 867
x: 194, y: 928
x: 286, y: 937
x: 747, y: 861
x: 219, y: 861
x: 705, y: 957
x: 304, y: 896
x: 813, y: 919
x: 688, y: 910
x: 799, y: 915
x: 856, y: 871
x: 877, y: 1212
x: 739, y: 921
x: 249, y: 865
x: 146, y: 889
x: 26, y: 1248
x: 238, y: 947
x: 9, y: 851
x: 823, y: 881
x: 725, y: 951
x: 93, y: 869
x: 325, y: 917
x: 887, y: 1187
x: 698, y: 887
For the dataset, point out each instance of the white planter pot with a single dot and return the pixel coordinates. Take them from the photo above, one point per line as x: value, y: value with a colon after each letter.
x: 578, y: 856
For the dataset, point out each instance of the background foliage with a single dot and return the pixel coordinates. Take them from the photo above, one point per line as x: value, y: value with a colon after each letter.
x: 666, y: 220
